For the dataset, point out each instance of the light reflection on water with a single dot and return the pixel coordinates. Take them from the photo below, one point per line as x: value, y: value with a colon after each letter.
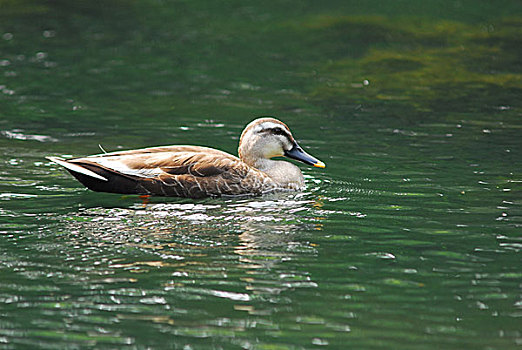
x: 175, y: 266
x: 418, y: 230
x: 409, y: 239
x: 198, y: 253
x: 173, y: 231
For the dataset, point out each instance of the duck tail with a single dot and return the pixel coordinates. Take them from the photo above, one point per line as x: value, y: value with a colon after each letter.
x: 75, y: 168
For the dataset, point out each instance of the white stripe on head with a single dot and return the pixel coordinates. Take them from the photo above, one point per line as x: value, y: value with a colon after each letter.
x: 270, y: 125
x: 264, y: 138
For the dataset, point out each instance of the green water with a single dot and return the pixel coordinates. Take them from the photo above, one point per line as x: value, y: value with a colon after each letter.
x: 409, y: 239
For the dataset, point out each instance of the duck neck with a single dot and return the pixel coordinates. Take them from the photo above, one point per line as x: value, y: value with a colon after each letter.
x: 263, y: 164
x: 284, y: 174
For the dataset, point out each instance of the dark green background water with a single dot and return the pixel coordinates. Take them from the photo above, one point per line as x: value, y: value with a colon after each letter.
x: 409, y: 239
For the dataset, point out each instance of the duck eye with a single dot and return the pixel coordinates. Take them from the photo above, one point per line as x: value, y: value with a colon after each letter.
x: 278, y: 131
x: 274, y: 131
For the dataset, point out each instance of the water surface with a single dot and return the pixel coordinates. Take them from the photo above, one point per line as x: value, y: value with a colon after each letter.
x: 409, y: 239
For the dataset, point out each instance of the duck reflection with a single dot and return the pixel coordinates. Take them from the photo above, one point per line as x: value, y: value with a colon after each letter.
x: 261, y: 232
x: 245, y: 252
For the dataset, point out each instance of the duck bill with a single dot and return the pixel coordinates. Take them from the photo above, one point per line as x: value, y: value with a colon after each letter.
x: 299, y: 154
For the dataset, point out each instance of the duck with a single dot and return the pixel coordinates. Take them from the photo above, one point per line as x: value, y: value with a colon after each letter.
x: 198, y: 171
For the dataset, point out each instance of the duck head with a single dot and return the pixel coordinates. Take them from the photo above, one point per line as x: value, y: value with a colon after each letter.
x: 265, y: 138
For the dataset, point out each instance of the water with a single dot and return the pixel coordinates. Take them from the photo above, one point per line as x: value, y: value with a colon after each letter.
x: 409, y: 239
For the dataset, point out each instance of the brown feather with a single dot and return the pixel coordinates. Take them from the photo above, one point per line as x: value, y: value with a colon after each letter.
x: 184, y: 171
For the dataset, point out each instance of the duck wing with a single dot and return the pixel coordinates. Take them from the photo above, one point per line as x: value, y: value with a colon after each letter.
x: 183, y: 171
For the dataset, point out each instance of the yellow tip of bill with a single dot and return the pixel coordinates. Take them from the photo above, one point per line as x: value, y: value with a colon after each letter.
x: 319, y: 164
